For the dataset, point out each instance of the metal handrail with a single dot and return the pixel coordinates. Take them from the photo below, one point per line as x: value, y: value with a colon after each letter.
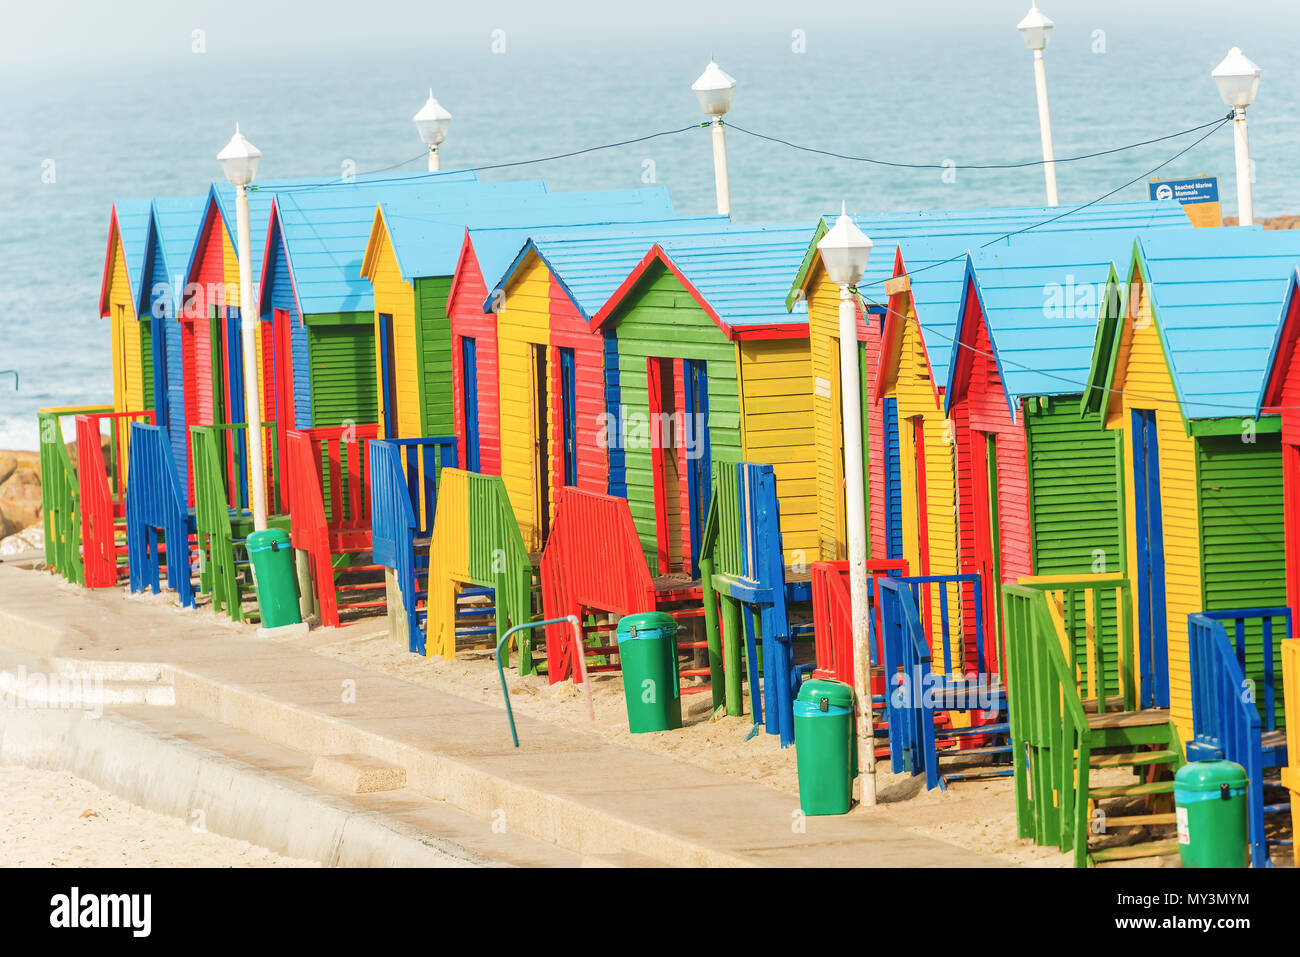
x: 582, y: 665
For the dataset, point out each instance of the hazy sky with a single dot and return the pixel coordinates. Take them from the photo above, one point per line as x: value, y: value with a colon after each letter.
x: 59, y: 33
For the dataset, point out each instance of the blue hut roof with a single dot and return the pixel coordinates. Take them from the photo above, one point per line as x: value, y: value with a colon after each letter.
x: 936, y: 267
x: 133, y: 232
x: 591, y: 262
x: 1218, y: 297
x: 325, y: 232
x: 263, y: 193
x: 427, y: 245
x: 175, y: 221
x: 1041, y: 298
x: 739, y: 274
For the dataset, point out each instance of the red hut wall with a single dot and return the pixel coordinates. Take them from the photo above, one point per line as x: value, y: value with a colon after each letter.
x: 570, y: 331
x: 468, y: 320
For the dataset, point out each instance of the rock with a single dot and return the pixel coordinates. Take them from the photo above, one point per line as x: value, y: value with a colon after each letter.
x: 20, y: 498
x: 7, y: 466
x: 28, y: 540
x: 1274, y: 222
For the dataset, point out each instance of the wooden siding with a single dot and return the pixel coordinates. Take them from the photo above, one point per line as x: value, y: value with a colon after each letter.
x: 342, y: 370
x: 522, y: 323
x: 434, y: 346
x: 569, y: 330
x: 776, y: 429
x: 1242, y: 554
x: 824, y: 368
x: 909, y: 381
x: 989, y: 413
x: 1142, y: 381
x: 396, y: 297
x: 468, y: 321
x: 660, y: 319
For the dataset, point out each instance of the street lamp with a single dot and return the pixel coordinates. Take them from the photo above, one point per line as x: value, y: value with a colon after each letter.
x: 714, y: 89
x: 845, y: 250
x: 1036, y: 29
x: 432, y: 122
x: 239, y: 162
x: 1238, y: 81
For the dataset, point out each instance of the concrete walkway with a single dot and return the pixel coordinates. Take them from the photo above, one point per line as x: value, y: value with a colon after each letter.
x: 564, y: 788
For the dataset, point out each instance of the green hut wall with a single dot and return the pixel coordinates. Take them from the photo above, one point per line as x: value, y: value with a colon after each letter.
x: 1243, y: 558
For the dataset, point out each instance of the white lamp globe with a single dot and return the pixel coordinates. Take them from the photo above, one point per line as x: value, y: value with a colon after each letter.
x: 845, y: 250
x: 1237, y: 78
x: 432, y: 122
x: 714, y: 89
x: 239, y: 159
x: 1036, y: 29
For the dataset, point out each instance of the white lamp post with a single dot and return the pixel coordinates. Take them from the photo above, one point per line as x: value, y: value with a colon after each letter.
x: 714, y: 89
x: 1238, y: 81
x: 239, y: 162
x: 845, y: 250
x: 1036, y: 29
x: 432, y: 122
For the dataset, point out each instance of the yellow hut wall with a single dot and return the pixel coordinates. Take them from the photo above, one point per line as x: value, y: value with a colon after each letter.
x: 523, y: 323
x: 1142, y: 381
x: 776, y: 429
x: 909, y: 382
x: 823, y: 298
x: 396, y: 297
x: 124, y: 336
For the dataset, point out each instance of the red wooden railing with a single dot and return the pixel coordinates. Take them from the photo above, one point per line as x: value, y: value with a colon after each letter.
x: 593, y: 559
x: 329, y: 504
x: 102, y: 485
x: 833, y: 618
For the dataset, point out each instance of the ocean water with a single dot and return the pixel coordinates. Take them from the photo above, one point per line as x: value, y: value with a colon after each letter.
x: 913, y: 88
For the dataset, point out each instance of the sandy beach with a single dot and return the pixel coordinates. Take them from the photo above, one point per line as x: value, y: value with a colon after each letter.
x: 54, y: 819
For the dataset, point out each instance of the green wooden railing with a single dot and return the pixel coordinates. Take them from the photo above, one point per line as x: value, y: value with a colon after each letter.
x: 1053, y: 681
x: 59, y: 492
x: 220, y: 507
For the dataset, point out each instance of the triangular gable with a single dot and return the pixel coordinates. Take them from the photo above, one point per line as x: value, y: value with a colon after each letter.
x: 465, y: 260
x: 965, y: 342
x: 891, y: 337
x: 106, y: 280
x: 265, y: 284
x: 803, y: 278
x: 379, y: 235
x: 606, y: 316
x: 1283, y: 351
x: 1138, y: 273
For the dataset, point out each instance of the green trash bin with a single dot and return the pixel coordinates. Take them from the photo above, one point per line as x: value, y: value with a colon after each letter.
x: 824, y: 746
x: 273, y: 575
x: 647, y: 651
x: 1210, y: 806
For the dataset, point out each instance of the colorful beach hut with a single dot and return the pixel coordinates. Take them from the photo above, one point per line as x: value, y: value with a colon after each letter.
x: 1040, y: 484
x: 426, y: 275
x: 320, y: 306
x: 937, y: 242
x: 1280, y: 397
x: 1202, y: 476
x: 550, y: 432
x: 711, y: 367
x: 173, y: 223
x: 121, y: 293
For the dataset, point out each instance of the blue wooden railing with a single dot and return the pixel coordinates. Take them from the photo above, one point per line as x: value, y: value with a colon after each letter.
x: 911, y: 645
x: 403, y: 498
x: 1230, y: 714
x: 155, y: 503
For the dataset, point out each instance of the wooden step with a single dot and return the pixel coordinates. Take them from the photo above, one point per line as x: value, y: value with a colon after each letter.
x: 1130, y: 759
x: 1130, y: 790
x: 1133, y: 851
x: 1129, y: 719
x: 1140, y: 820
x: 975, y: 752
